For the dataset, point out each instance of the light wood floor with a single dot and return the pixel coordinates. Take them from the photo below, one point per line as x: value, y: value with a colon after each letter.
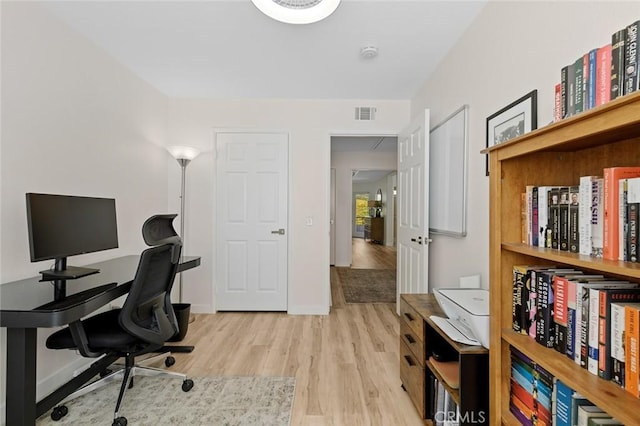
x: 366, y: 255
x: 346, y: 364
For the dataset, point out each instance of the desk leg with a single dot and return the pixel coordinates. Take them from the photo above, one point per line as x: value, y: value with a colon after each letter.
x: 21, y: 376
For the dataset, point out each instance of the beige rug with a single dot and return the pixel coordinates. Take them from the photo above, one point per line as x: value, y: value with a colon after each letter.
x: 368, y: 285
x: 153, y: 401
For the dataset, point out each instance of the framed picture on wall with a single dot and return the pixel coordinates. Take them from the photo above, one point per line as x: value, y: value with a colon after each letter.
x: 516, y: 119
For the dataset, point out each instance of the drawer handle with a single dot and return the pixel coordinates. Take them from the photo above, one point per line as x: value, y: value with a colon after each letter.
x: 409, y: 316
x: 409, y: 360
x: 410, y: 339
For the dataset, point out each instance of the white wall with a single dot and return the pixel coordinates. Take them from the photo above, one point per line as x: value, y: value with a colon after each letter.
x: 344, y: 162
x: 73, y: 122
x: 511, y: 49
x: 310, y: 125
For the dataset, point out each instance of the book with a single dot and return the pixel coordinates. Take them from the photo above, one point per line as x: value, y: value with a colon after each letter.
x: 631, y: 60
x: 571, y: 89
x: 597, y: 217
x: 617, y: 337
x: 632, y: 349
x: 612, y: 176
x: 608, y: 296
x: 603, y: 75
x: 617, y: 62
x: 563, y: 403
x: 534, y: 216
x: 577, y: 401
x: 554, y: 217
x: 584, y: 214
x: 633, y: 210
x: 604, y: 421
x: 543, y: 216
x: 582, y: 325
x: 520, y: 303
x: 564, y: 90
x: 564, y: 218
x: 557, y: 108
x: 579, y: 86
x: 622, y: 219
x: 574, y: 205
x: 589, y: 79
x: 586, y: 412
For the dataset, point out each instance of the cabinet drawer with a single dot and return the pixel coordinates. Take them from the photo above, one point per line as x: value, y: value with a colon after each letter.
x: 413, y: 320
x: 412, y: 377
x: 413, y: 342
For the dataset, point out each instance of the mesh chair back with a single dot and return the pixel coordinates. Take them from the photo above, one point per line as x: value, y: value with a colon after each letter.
x: 147, y: 312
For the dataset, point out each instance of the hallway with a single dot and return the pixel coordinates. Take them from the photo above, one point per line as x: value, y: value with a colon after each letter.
x: 365, y: 255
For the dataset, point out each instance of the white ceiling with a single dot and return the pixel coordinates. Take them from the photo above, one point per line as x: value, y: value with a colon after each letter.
x: 229, y: 49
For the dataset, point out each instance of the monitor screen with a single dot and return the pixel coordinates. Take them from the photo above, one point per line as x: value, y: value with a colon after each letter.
x: 63, y: 225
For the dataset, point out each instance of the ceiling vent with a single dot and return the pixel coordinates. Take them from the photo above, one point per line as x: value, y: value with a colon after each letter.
x: 365, y: 113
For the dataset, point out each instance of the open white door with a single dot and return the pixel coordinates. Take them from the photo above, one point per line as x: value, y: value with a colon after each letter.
x: 251, y: 221
x: 413, y: 207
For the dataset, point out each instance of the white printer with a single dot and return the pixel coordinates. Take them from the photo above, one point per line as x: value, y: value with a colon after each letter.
x: 468, y: 312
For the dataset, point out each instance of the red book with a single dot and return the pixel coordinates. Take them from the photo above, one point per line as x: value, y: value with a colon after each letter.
x: 557, y: 109
x: 611, y: 207
x: 603, y: 75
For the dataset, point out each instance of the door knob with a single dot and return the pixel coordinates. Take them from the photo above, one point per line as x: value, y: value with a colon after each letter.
x: 278, y: 231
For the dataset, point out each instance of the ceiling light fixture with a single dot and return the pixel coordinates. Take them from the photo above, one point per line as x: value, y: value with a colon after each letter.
x: 297, y: 11
x: 369, y: 52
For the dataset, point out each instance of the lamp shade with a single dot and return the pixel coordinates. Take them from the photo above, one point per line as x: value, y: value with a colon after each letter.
x: 297, y: 11
x: 183, y: 152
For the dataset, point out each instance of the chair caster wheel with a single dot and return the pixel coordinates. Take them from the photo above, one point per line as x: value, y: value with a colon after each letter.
x: 187, y: 385
x: 59, y: 412
x: 120, y: 421
x: 169, y: 361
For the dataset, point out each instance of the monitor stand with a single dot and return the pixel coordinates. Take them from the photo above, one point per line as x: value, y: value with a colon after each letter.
x: 61, y: 273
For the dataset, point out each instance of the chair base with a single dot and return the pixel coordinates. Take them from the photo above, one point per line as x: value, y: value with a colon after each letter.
x: 125, y: 375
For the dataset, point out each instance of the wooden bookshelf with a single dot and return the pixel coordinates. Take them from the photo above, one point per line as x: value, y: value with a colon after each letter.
x: 557, y: 154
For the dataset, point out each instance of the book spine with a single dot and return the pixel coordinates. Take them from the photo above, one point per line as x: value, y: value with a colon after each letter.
x: 603, y: 75
x: 584, y: 215
x: 554, y: 217
x: 533, y: 303
x: 534, y: 216
x: 631, y: 59
x: 519, y: 311
x: 592, y: 342
x: 597, y: 217
x: 574, y: 206
x: 617, y: 343
x: 617, y: 63
x: 571, y: 318
x: 564, y: 218
x: 543, y: 215
x: 557, y: 108
x: 632, y: 351
x: 545, y: 330
x: 579, y: 86
x: 584, y: 327
x: 560, y: 313
x: 622, y: 219
x: 571, y: 87
x: 593, y: 58
x: 612, y: 176
x: 564, y: 77
x: 632, y: 231
x: 563, y: 404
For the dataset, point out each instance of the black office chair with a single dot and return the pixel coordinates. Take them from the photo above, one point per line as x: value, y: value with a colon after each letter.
x: 145, y: 322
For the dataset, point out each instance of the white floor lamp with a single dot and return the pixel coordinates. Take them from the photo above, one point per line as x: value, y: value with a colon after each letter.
x: 184, y: 155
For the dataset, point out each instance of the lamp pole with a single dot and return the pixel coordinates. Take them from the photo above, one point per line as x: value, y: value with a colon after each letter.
x: 184, y: 155
x: 183, y: 165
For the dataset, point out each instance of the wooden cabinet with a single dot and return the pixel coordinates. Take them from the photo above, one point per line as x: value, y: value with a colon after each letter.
x: 374, y: 229
x: 419, y: 339
x: 557, y: 154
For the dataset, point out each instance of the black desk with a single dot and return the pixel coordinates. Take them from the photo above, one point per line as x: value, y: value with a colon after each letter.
x: 19, y: 313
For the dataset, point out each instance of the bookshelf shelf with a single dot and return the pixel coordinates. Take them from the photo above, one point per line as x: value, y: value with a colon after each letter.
x: 557, y: 154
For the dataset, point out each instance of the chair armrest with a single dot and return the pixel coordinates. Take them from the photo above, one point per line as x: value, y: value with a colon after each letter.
x: 80, y: 339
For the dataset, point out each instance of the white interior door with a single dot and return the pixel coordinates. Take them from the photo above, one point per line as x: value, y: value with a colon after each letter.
x: 413, y: 207
x: 251, y: 221
x: 332, y: 219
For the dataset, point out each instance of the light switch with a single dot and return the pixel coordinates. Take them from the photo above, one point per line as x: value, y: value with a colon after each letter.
x: 309, y: 221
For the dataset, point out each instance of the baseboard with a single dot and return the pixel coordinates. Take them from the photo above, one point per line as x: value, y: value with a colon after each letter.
x: 202, y: 309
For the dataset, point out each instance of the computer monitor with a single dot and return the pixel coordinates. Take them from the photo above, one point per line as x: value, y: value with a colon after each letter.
x: 62, y: 225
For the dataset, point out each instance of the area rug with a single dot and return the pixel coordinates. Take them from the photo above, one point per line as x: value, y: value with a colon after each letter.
x: 154, y: 401
x: 368, y: 285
